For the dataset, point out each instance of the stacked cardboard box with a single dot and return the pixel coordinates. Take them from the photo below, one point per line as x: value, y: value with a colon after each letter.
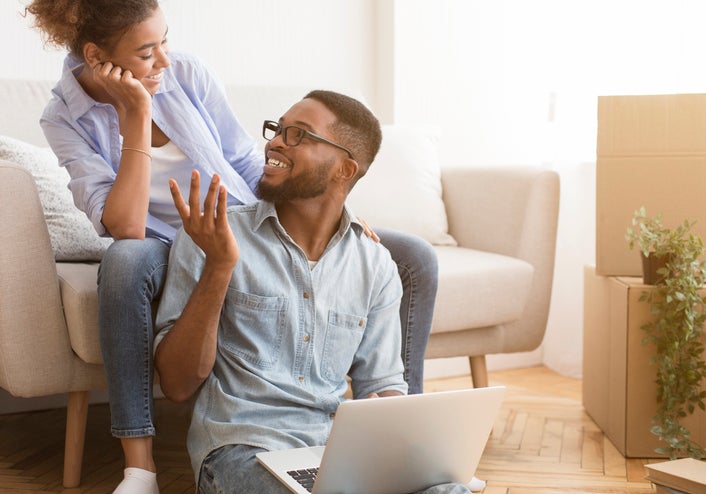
x: 651, y: 151
x: 619, y: 391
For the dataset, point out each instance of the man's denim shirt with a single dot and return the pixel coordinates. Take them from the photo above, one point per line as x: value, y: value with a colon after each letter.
x: 288, y: 334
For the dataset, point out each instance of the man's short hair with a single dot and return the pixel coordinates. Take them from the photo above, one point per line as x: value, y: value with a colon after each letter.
x: 356, y: 127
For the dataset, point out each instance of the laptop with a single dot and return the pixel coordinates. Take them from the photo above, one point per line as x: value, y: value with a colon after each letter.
x: 394, y: 445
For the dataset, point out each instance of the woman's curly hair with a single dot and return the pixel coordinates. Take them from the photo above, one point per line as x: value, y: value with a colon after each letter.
x: 73, y: 23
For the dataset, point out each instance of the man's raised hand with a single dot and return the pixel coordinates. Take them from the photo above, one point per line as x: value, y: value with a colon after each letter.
x: 209, y: 230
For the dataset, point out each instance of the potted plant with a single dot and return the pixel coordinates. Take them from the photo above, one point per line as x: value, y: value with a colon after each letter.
x: 676, y: 328
x: 655, y: 242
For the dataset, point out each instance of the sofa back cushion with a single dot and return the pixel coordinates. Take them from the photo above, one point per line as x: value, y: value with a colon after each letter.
x: 402, y: 189
x: 22, y: 104
x: 72, y: 235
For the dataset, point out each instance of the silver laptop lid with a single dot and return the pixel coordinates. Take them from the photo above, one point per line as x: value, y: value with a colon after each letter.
x: 405, y: 444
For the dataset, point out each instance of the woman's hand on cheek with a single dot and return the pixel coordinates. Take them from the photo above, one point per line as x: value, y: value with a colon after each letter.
x: 128, y: 93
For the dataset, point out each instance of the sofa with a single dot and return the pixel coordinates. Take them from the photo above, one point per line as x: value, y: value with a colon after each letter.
x: 494, y: 230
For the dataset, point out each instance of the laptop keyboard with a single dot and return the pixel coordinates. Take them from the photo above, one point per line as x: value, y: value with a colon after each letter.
x: 305, y: 477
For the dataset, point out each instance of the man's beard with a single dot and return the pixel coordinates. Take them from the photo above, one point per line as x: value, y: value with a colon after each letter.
x: 309, y: 184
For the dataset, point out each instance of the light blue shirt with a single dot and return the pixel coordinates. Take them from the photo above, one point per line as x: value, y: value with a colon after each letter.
x: 288, y: 334
x: 190, y: 107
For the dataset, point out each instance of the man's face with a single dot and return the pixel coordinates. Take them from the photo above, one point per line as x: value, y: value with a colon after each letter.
x: 302, y: 171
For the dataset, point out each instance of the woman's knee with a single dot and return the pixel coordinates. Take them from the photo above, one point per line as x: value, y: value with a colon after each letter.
x: 130, y: 262
x: 411, y: 253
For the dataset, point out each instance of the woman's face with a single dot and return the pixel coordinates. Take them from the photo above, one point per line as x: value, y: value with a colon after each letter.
x: 143, y: 50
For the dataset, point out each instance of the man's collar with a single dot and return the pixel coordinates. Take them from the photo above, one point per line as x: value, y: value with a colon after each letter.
x: 267, y: 210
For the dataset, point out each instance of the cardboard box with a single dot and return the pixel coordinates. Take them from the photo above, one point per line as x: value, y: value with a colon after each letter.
x: 619, y: 391
x: 651, y: 151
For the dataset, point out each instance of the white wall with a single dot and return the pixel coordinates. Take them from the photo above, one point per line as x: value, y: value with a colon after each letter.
x: 515, y: 81
x: 313, y: 44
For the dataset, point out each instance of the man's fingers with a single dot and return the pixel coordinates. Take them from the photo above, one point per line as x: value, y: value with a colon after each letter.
x: 221, y: 217
x: 179, y: 203
x: 209, y: 203
x: 214, y: 206
x: 195, y: 192
x: 215, y: 202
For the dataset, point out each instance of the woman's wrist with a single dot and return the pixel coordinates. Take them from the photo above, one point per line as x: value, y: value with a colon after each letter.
x: 135, y: 119
x: 137, y: 150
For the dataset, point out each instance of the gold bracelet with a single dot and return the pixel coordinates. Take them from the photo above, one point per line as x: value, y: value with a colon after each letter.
x: 138, y: 150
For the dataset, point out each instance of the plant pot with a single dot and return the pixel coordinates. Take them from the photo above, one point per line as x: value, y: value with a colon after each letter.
x: 650, y: 265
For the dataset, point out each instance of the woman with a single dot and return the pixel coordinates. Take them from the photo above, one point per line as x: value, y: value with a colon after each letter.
x: 125, y: 117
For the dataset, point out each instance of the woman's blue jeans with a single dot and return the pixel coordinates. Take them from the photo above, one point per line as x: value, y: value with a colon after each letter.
x: 419, y: 272
x: 130, y: 280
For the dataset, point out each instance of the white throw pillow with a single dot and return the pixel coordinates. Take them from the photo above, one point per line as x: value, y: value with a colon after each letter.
x: 402, y: 189
x: 72, y: 235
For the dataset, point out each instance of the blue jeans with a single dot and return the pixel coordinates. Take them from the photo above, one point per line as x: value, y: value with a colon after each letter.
x: 234, y: 469
x: 419, y: 271
x: 131, y: 277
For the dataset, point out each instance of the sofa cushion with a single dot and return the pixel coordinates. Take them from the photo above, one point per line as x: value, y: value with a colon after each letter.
x: 479, y: 289
x: 71, y: 233
x: 23, y: 102
x: 78, y: 285
x: 402, y: 189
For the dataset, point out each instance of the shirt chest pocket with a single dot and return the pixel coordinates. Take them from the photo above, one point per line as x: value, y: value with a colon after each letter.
x: 253, y: 327
x: 344, y: 333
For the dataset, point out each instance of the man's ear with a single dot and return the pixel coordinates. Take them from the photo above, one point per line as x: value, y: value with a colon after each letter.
x: 93, y: 54
x: 348, y: 169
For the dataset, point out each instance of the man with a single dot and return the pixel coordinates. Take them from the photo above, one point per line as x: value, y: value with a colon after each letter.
x: 265, y: 329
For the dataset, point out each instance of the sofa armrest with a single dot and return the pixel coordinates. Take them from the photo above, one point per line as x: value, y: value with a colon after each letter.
x: 502, y: 210
x: 35, y: 352
x: 513, y: 212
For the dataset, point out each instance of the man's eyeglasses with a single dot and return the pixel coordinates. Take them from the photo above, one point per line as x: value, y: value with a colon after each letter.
x: 293, y: 135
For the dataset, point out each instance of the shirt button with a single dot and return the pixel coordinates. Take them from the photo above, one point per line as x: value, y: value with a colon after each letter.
x: 361, y: 323
x: 306, y: 294
x: 306, y: 339
x: 301, y: 379
x: 331, y: 415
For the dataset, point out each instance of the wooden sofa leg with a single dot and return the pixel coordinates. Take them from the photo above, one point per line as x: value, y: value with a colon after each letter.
x: 76, y: 415
x: 479, y: 371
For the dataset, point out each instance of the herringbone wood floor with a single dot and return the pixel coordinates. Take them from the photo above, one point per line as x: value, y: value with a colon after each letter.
x: 542, y: 443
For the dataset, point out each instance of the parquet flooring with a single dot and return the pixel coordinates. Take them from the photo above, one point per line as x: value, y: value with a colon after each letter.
x: 542, y: 443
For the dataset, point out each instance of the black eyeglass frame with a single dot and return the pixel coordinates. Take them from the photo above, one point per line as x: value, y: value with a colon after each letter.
x: 278, y: 129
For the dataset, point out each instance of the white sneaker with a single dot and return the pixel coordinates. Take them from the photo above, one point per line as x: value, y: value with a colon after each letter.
x: 476, y: 485
x: 138, y: 481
